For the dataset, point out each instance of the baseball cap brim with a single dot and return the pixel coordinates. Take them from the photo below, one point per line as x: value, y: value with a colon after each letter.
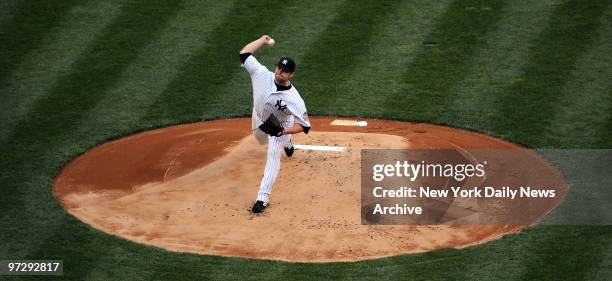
x: 284, y: 68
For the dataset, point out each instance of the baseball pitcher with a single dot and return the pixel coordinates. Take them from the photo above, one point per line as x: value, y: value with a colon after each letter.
x: 278, y: 112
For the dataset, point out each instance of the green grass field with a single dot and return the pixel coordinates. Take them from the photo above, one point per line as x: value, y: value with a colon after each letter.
x: 74, y: 74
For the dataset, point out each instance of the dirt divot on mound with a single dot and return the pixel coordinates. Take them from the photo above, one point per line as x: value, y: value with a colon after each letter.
x: 190, y: 187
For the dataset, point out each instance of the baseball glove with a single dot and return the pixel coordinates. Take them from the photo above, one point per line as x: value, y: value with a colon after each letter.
x: 272, y: 126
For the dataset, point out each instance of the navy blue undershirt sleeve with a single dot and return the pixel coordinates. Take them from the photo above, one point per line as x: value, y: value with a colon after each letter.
x: 244, y: 56
x: 306, y: 129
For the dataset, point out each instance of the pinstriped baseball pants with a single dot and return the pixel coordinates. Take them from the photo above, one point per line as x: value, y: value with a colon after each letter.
x: 275, y: 146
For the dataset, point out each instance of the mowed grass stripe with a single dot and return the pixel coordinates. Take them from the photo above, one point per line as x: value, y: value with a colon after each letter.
x: 142, y: 82
x: 585, y: 102
x: 296, y: 36
x: 574, y: 252
x: 33, y: 148
x: 525, y: 108
x: 495, y: 64
x: 605, y: 135
x: 58, y: 51
x: 8, y: 9
x: 57, y: 239
x: 337, y: 51
x: 377, y: 71
x: 605, y: 132
x: 197, y: 88
x: 24, y: 31
x: 425, y: 92
x: 92, y: 74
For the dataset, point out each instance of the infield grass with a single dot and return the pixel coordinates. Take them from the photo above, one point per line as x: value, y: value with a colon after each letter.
x: 77, y: 73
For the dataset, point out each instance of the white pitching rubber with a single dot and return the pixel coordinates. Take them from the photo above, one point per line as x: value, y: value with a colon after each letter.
x: 320, y: 147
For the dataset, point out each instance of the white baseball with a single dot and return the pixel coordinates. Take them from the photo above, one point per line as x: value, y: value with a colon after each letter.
x: 271, y: 42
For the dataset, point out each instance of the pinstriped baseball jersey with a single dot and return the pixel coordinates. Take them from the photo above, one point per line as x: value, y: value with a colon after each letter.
x: 286, y: 104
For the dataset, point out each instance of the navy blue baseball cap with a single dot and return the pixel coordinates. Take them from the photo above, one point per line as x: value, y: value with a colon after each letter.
x: 287, y: 64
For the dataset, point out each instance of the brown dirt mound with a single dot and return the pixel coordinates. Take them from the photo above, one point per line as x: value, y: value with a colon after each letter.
x: 189, y: 188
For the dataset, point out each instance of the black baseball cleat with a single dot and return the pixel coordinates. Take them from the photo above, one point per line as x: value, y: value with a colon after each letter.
x: 259, y: 207
x: 289, y: 150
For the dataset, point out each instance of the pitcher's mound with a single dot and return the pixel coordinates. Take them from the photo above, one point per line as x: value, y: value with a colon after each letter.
x: 190, y: 188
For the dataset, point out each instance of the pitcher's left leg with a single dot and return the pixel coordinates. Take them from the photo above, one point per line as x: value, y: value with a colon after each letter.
x: 275, y: 145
